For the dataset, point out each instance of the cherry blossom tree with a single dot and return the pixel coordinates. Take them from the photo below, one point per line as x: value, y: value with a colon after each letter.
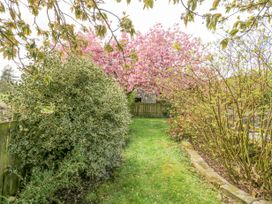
x: 145, y: 60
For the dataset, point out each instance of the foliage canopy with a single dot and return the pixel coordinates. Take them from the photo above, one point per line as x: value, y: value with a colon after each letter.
x: 17, y: 32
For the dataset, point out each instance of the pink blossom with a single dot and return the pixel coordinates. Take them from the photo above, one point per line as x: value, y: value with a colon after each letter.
x: 154, y: 62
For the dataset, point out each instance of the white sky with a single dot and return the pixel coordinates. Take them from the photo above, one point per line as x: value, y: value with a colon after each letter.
x: 143, y: 19
x: 163, y: 12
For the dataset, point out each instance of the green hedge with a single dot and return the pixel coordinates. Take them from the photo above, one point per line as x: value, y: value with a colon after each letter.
x: 72, y: 126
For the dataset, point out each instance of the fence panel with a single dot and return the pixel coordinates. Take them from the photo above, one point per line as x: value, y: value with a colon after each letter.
x: 154, y: 110
x: 8, y: 179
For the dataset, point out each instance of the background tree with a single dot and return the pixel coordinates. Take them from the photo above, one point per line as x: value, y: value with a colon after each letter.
x: 145, y: 58
x: 6, y: 80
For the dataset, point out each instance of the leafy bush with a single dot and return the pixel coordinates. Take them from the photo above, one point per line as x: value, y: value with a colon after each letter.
x: 227, y: 111
x: 72, y: 125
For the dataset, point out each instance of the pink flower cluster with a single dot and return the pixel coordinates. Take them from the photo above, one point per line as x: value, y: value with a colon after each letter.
x: 148, y: 61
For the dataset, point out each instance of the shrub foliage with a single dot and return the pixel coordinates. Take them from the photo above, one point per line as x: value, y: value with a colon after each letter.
x: 72, y: 125
x: 227, y: 113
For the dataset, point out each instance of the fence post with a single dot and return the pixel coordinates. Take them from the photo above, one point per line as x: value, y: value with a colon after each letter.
x: 8, y: 180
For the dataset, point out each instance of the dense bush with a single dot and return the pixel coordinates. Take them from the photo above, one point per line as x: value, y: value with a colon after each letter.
x: 72, y: 125
x: 227, y: 112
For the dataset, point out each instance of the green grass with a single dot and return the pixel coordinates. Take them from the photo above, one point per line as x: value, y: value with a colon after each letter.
x: 155, y: 170
x: 3, y: 96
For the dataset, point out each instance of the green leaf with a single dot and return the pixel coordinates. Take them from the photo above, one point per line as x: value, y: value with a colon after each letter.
x: 224, y: 43
x: 215, y: 4
x: 126, y: 25
x: 2, y: 7
x: 108, y: 48
x: 193, y: 5
x: 214, y: 20
x: 134, y: 56
x: 233, y: 31
x: 176, y: 46
x: 26, y: 30
x: 100, y: 30
x: 208, y: 20
x: 148, y: 3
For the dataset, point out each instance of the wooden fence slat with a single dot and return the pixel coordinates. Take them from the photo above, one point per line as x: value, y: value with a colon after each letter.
x: 149, y: 110
x: 8, y: 181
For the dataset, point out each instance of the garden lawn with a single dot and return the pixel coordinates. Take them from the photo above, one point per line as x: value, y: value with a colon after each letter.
x: 155, y: 170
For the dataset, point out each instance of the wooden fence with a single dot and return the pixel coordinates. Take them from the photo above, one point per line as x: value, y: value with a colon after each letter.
x: 154, y: 110
x: 8, y: 179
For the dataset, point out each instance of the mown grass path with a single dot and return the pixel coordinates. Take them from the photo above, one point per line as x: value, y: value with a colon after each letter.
x: 155, y: 170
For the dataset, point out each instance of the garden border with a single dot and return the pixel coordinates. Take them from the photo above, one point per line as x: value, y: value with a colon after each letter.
x: 228, y: 189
